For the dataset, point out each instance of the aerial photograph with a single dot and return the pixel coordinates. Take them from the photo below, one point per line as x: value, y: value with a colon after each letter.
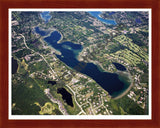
x: 79, y: 62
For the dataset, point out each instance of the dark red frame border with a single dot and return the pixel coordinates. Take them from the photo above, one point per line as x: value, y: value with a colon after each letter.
x: 6, y: 4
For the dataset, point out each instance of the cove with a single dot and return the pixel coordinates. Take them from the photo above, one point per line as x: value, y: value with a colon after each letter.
x: 41, y: 32
x: 69, y: 52
x: 96, y: 14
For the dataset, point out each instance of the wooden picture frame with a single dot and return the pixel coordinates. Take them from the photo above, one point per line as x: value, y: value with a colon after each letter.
x: 4, y: 39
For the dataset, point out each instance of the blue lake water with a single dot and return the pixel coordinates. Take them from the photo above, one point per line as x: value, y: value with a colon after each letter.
x: 69, y: 51
x: 41, y: 32
x: 96, y: 14
x: 111, y: 82
x: 111, y: 13
x: 45, y: 16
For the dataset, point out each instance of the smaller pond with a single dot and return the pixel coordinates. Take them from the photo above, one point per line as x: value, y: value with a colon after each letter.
x: 119, y: 66
x: 14, y: 66
x: 66, y: 96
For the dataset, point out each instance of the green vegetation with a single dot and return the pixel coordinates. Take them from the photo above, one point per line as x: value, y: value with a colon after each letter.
x: 125, y: 43
x: 136, y: 39
x: 125, y: 106
x: 25, y: 93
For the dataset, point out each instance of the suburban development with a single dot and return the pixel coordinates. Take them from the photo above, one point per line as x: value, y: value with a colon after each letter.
x: 80, y: 62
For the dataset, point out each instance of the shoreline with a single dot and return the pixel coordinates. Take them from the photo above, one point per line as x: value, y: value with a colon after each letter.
x: 115, y: 23
x: 107, y: 20
x: 52, y: 30
x: 44, y: 18
x: 126, y: 91
x: 59, y: 41
x: 49, y: 34
x: 95, y: 62
x: 123, y: 93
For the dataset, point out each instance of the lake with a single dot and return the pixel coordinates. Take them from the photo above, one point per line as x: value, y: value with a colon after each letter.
x: 69, y: 52
x: 113, y: 83
x: 45, y: 16
x: 96, y: 14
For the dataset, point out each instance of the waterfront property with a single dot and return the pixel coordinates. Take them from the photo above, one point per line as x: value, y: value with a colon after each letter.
x: 109, y: 81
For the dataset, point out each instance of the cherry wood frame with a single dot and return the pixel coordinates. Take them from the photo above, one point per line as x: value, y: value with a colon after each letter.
x: 6, y: 4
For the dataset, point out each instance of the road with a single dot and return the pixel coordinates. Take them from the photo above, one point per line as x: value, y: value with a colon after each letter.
x: 82, y: 111
x: 60, y: 105
x: 38, y: 54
